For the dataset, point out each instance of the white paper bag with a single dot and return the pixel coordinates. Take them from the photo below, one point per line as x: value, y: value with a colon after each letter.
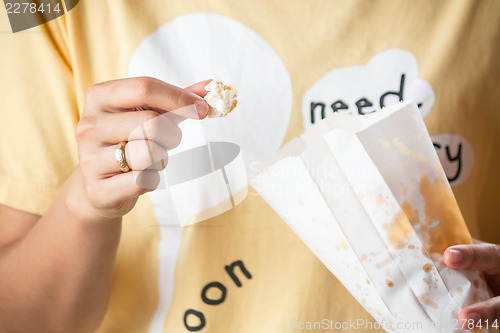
x: 369, y: 197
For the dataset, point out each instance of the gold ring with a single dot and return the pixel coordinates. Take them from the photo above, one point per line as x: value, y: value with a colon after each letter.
x: 120, y: 157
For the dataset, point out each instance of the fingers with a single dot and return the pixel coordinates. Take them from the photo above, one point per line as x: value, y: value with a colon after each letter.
x: 480, y: 313
x: 199, y: 110
x: 177, y: 116
x: 480, y: 257
x: 145, y: 113
x: 127, y: 94
x: 144, y: 154
x: 140, y: 125
x: 139, y: 154
x: 199, y: 88
x: 111, y: 193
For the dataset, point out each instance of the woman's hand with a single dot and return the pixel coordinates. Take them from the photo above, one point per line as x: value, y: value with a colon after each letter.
x: 57, y: 269
x: 144, y: 113
x: 480, y: 257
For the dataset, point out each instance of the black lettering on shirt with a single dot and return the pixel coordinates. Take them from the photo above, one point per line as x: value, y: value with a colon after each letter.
x: 458, y: 158
x: 339, y: 105
x: 230, y: 270
x: 399, y: 93
x: 313, y: 110
x: 363, y: 103
x: 217, y: 285
x: 200, y: 317
x: 204, y: 297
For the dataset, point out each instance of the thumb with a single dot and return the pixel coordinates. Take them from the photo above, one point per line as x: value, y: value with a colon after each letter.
x: 198, y: 110
x: 480, y: 257
x: 199, y: 88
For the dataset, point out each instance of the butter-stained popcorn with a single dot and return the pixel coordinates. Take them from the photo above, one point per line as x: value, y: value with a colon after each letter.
x: 221, y: 98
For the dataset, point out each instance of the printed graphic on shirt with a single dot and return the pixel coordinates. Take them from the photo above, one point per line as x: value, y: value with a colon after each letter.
x: 195, y: 320
x: 388, y: 78
x: 456, y: 156
x: 234, y: 54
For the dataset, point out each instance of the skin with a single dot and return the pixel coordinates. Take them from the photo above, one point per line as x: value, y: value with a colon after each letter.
x: 56, y: 269
x: 485, y: 258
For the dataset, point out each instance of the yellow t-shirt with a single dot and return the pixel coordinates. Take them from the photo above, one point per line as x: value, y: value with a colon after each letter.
x: 294, y: 62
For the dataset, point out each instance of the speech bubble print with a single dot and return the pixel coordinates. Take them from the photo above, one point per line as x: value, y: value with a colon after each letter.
x: 388, y: 78
x: 456, y: 155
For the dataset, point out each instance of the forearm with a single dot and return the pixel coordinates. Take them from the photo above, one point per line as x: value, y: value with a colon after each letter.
x: 57, y: 278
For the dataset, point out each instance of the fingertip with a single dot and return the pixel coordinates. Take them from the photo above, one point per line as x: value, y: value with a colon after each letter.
x: 199, y: 88
x: 197, y: 110
x: 453, y: 257
x: 205, y: 82
x: 463, y: 313
x: 201, y: 108
x: 148, y: 180
x: 469, y: 314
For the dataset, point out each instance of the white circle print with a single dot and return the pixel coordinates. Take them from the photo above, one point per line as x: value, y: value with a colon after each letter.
x: 202, y: 46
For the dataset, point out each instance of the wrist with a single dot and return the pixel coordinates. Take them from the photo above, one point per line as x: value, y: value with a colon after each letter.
x: 77, y: 203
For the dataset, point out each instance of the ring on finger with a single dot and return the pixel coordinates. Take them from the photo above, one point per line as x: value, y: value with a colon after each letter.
x: 120, y: 157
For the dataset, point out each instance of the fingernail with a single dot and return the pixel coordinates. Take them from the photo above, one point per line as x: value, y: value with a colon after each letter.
x: 455, y: 256
x: 474, y: 316
x: 201, y: 108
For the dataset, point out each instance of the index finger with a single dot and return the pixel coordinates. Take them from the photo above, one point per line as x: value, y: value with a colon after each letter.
x: 127, y: 94
x: 177, y: 116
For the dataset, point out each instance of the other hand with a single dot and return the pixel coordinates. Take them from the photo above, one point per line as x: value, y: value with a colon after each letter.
x: 482, y: 257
